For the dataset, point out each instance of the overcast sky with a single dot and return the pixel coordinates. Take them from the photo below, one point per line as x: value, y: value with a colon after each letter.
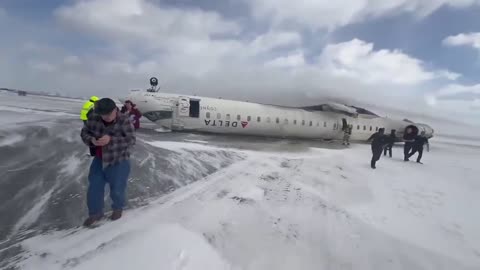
x: 420, y: 55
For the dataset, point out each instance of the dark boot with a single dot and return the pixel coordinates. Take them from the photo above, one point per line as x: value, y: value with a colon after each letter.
x: 116, y: 214
x: 92, y: 219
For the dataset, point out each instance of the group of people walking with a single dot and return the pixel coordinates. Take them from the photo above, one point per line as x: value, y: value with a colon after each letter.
x: 413, y: 144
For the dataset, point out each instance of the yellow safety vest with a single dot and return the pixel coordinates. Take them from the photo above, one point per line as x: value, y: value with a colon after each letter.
x: 87, y: 106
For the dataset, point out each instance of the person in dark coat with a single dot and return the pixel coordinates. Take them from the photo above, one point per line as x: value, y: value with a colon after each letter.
x: 418, y: 144
x: 379, y: 140
x: 133, y: 113
x: 408, y: 138
x: 391, y: 141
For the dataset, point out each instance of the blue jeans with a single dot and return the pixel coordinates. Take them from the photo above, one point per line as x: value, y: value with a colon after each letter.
x: 116, y: 176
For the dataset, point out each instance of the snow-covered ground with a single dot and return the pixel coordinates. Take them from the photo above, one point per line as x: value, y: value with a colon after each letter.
x: 268, y: 205
x: 318, y: 209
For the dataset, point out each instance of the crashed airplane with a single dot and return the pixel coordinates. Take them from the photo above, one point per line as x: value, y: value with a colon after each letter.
x: 213, y: 115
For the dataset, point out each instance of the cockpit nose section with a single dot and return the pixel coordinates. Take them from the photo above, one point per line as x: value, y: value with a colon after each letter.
x: 426, y: 128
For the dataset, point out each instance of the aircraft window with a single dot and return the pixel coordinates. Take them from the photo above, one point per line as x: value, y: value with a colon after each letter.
x: 239, y: 117
x: 219, y: 116
x: 303, y: 122
x: 277, y: 120
x: 364, y: 127
x: 268, y: 119
x: 324, y: 124
x: 370, y: 128
x: 249, y: 118
x: 358, y: 127
x: 208, y: 115
x: 334, y: 125
x: 227, y: 116
x: 376, y: 128
x: 311, y: 123
x: 318, y: 124
x: 286, y: 121
x: 258, y: 119
x: 295, y: 122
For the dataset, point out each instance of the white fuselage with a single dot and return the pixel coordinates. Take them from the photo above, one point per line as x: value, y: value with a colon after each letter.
x: 203, y: 114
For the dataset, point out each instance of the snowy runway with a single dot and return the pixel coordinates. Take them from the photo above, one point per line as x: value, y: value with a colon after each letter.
x: 319, y: 209
x: 225, y: 202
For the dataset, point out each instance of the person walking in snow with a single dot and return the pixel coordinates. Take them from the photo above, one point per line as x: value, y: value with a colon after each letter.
x: 391, y: 141
x: 408, y: 138
x: 87, y: 108
x: 418, y: 144
x: 133, y: 113
x: 347, y: 132
x: 379, y: 140
x: 112, y: 135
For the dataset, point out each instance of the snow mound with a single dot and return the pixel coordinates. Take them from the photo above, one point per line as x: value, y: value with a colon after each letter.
x: 163, y: 246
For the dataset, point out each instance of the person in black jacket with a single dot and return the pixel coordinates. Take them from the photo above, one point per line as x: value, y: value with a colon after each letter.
x: 418, y: 144
x: 408, y: 138
x: 391, y: 140
x: 379, y: 140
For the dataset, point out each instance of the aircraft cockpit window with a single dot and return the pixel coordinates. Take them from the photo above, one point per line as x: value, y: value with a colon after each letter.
x: 207, y: 115
x: 227, y: 117
x: 258, y: 119
x: 219, y: 116
x: 238, y: 117
x: 303, y: 122
x: 249, y: 118
x: 311, y: 123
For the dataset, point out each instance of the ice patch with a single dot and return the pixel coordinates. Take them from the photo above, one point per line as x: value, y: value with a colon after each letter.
x: 196, y: 141
x: 32, y: 215
x: 162, y: 130
x: 70, y: 166
x: 11, y: 139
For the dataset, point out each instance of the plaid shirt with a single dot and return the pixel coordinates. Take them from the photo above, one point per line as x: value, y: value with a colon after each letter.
x: 121, y: 133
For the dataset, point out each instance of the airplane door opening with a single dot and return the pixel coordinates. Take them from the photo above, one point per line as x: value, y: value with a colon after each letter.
x: 194, y: 108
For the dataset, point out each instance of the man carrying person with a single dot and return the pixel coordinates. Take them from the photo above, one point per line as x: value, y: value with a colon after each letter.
x: 112, y: 135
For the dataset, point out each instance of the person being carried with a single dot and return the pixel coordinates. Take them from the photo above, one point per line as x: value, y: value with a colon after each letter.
x: 418, y: 144
x: 379, y: 140
x: 133, y: 113
x: 391, y: 140
x: 112, y: 135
